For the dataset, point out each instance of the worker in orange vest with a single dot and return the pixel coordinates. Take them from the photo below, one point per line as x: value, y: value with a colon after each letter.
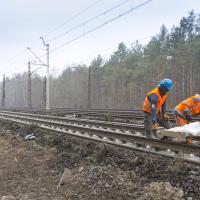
x: 154, y: 107
x: 187, y: 109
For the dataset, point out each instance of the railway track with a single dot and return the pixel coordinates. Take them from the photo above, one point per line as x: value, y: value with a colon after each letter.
x: 110, y: 114
x: 123, y: 127
x: 119, y: 134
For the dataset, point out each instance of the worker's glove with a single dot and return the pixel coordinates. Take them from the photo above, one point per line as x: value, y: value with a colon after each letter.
x: 165, y: 117
x: 188, y: 117
x: 155, y: 127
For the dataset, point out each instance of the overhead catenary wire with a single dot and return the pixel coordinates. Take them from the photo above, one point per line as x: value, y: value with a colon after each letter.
x: 89, y: 20
x: 101, y: 25
x: 13, y: 60
x: 37, y: 69
x: 92, y: 54
x: 38, y: 41
x: 72, y: 18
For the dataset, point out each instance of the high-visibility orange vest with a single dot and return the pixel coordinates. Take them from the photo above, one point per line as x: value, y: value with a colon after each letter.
x: 191, y: 105
x: 161, y: 100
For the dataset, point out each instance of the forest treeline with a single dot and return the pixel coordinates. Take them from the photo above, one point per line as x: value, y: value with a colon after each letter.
x: 123, y: 80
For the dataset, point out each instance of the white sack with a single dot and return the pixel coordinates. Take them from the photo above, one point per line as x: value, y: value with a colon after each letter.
x: 188, y: 129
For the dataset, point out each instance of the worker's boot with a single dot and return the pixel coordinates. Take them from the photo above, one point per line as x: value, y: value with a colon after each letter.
x: 148, y: 134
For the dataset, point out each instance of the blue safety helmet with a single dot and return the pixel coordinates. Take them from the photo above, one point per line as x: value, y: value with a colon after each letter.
x: 167, y: 84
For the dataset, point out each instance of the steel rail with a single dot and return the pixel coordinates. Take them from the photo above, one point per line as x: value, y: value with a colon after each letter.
x: 97, y: 123
x: 110, y: 135
x: 115, y: 143
x: 132, y: 128
x: 108, y: 112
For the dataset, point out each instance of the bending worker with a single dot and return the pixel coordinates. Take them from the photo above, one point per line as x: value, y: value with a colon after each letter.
x: 187, y: 109
x: 154, y: 107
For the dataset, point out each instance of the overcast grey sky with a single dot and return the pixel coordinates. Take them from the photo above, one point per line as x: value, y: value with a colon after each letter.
x: 22, y: 23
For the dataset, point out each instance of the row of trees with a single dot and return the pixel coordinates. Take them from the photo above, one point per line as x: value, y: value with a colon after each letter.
x: 123, y: 80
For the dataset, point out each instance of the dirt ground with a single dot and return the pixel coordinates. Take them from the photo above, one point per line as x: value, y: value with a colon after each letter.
x: 26, y: 169
x: 55, y: 167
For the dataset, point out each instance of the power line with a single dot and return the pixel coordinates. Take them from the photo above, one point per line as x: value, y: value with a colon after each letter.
x: 72, y: 18
x: 37, y: 69
x: 36, y: 43
x: 93, y: 29
x: 12, y: 62
x: 106, y: 52
x: 89, y: 20
x: 97, y: 52
x: 101, y: 25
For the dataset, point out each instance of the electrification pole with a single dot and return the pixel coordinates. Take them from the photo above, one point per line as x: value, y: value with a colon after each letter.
x: 89, y: 87
x: 47, y: 78
x: 29, y: 86
x: 47, y: 81
x: 44, y: 93
x: 47, y: 103
x: 3, y: 92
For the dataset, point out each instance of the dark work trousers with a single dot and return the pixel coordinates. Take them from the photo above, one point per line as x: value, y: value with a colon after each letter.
x: 148, y: 122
